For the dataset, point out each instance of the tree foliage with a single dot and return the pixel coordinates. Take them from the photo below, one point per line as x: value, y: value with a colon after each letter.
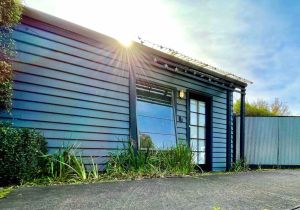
x: 10, y: 14
x: 146, y: 141
x: 263, y: 108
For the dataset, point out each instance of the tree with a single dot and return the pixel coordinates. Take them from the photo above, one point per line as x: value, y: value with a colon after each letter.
x: 10, y: 15
x: 263, y: 108
x: 146, y: 141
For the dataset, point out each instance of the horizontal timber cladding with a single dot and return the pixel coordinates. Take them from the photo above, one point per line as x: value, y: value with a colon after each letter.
x: 75, y: 90
x: 148, y: 72
x: 71, y: 91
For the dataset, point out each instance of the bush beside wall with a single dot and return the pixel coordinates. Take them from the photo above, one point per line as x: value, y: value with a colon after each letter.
x: 21, y: 153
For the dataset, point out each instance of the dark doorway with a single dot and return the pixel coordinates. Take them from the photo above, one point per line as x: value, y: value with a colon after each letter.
x: 199, y: 129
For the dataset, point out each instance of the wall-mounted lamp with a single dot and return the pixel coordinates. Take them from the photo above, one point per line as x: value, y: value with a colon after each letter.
x: 181, y: 94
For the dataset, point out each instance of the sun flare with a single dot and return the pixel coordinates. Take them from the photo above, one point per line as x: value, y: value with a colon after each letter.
x: 126, y: 42
x: 122, y: 20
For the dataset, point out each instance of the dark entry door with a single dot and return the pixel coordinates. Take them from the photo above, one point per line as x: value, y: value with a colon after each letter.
x: 199, y: 130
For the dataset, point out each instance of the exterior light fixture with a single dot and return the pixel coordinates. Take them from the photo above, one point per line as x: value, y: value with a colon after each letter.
x: 181, y: 94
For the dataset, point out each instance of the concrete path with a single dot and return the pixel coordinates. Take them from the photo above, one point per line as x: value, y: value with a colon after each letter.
x: 278, y: 189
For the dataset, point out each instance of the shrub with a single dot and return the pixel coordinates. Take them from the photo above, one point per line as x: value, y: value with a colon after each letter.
x: 21, y: 153
x: 176, y: 160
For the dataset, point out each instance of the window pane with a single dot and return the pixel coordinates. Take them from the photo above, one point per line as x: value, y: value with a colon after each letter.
x: 195, y: 157
x: 154, y: 110
x: 201, y: 107
x: 153, y: 93
x: 201, y: 157
x: 201, y: 145
x: 201, y: 133
x: 194, y: 146
x: 155, y: 125
x: 193, y: 132
x: 155, y: 116
x: 201, y: 120
x: 193, y: 105
x: 193, y: 118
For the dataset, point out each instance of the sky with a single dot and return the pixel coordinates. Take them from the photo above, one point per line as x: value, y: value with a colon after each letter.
x: 258, y: 40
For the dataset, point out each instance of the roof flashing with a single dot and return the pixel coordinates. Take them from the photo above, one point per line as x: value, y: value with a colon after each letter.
x: 194, y: 61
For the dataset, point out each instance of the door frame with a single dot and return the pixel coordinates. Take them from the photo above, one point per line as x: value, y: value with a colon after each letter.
x: 192, y: 94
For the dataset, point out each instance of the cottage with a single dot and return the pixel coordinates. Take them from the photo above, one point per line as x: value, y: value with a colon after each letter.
x: 81, y: 87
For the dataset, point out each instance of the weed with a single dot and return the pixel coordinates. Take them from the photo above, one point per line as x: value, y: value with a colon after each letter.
x: 150, y: 163
x: 5, y: 191
x: 94, y: 173
x: 66, y: 164
x: 240, y: 165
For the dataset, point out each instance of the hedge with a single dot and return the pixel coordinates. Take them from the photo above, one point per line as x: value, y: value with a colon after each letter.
x: 21, y: 154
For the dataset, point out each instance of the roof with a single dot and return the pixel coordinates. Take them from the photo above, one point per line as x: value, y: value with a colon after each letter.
x: 145, y: 45
x: 193, y: 60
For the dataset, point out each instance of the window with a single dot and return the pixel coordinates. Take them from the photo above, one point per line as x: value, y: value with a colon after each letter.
x: 197, y: 130
x: 155, y: 116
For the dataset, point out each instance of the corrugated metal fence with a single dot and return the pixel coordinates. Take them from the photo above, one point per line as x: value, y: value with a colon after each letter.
x: 270, y: 140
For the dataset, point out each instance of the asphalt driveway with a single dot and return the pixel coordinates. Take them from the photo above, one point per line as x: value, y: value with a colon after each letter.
x: 278, y: 189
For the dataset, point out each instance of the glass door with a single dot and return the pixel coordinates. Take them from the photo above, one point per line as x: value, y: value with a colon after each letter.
x: 198, y: 130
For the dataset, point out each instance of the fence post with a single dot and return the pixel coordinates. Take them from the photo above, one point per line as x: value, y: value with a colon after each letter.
x: 242, y: 125
x: 228, y: 130
x: 278, y: 141
x: 234, y: 138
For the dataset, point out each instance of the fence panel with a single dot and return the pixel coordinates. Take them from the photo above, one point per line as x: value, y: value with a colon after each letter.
x: 289, y: 145
x: 270, y: 140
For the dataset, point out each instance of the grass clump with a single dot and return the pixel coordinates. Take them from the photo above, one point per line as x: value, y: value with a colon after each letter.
x: 240, y: 166
x: 150, y: 163
x: 216, y: 208
x: 5, y: 191
x: 67, y: 165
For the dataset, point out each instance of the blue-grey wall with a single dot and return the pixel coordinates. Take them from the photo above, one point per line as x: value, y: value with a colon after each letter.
x: 72, y: 92
x: 78, y: 92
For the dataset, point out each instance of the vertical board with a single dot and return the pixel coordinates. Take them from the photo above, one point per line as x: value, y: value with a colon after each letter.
x: 271, y: 140
x: 289, y: 144
x: 261, y: 140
